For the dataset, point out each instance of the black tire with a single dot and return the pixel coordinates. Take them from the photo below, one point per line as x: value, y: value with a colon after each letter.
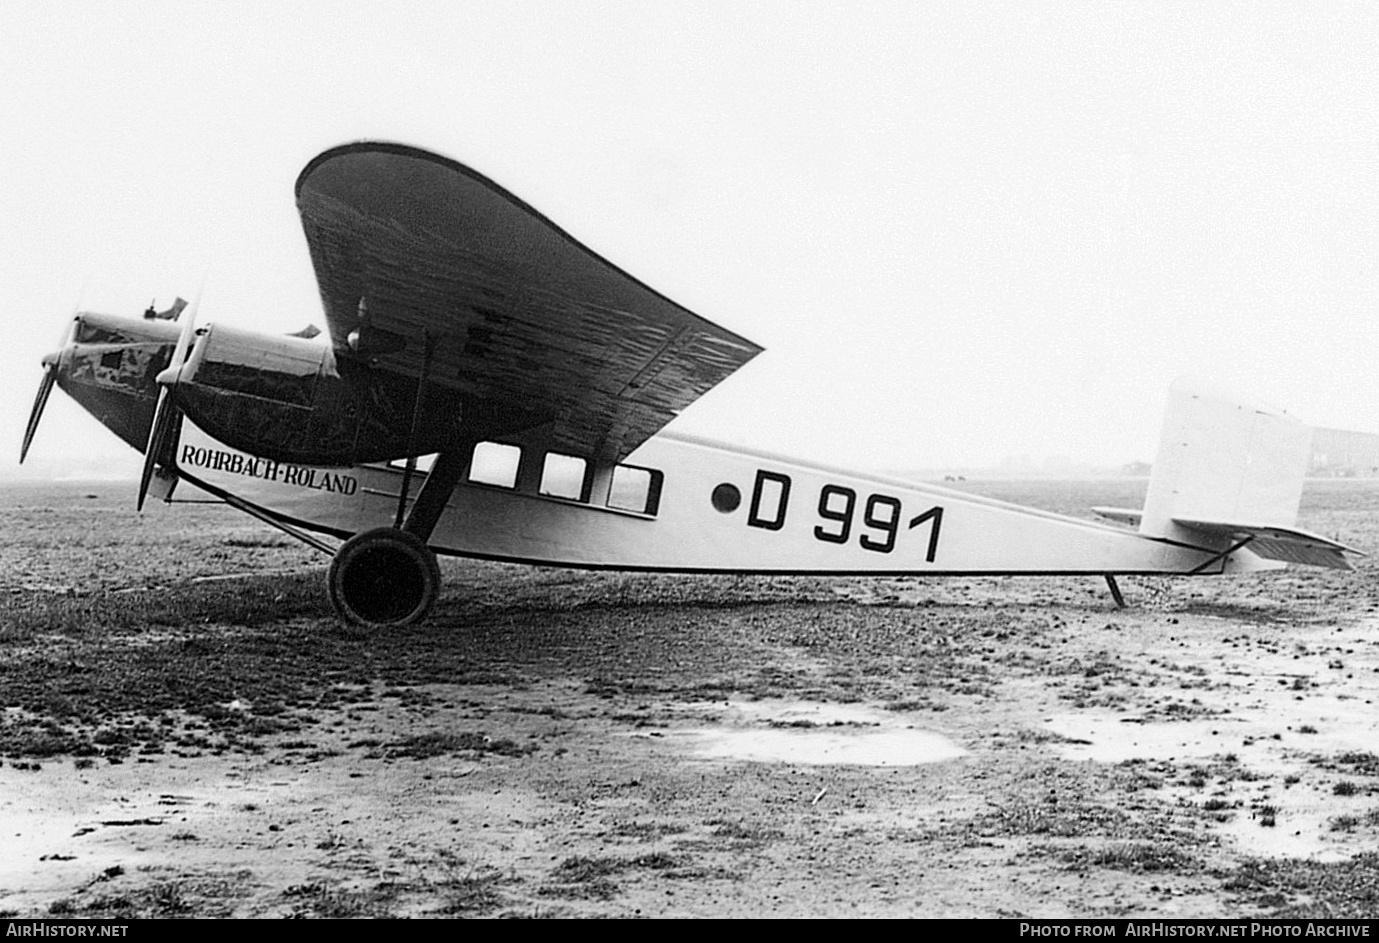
x: 384, y: 578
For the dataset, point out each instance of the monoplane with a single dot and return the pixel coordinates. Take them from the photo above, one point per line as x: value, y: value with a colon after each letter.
x: 491, y: 388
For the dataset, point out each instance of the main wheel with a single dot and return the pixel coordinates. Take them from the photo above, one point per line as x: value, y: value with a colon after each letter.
x: 383, y: 578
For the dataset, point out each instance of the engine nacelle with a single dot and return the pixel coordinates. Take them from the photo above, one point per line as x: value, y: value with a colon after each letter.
x: 110, y: 366
x: 290, y: 399
x: 284, y: 398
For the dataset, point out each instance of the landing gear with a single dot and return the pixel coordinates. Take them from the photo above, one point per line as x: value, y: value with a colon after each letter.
x: 384, y: 578
x: 388, y: 577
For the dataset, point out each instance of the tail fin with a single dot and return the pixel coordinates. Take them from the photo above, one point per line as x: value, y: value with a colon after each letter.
x: 1223, y: 459
x: 1229, y: 476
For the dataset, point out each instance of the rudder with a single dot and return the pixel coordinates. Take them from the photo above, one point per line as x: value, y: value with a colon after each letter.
x: 1221, y: 458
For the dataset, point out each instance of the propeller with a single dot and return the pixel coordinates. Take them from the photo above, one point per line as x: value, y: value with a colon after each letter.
x: 45, y: 387
x: 165, y: 415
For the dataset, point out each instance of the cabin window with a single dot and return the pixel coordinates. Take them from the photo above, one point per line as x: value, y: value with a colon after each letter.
x: 562, y: 476
x: 424, y: 463
x: 495, y: 464
x: 635, y: 489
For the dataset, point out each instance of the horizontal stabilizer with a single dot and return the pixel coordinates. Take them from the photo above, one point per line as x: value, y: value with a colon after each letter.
x: 1120, y: 515
x: 1272, y: 542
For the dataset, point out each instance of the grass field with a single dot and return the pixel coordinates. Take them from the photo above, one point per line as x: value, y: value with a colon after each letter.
x: 191, y: 640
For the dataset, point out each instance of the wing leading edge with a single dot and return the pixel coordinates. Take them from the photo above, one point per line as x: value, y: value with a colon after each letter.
x: 425, y: 266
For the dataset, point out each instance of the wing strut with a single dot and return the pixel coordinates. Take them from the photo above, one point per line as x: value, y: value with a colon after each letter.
x: 417, y: 406
x: 444, y: 475
x: 1222, y: 555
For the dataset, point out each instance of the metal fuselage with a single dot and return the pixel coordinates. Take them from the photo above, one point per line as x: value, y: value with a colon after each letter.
x: 283, y: 426
x: 717, y: 510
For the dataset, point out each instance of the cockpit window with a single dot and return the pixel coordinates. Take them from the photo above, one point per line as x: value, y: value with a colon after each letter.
x: 99, y: 334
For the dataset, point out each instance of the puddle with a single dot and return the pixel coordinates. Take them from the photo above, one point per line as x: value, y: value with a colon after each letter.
x: 817, y: 734
x: 1276, y: 711
x: 1115, y: 738
x: 44, y: 852
x: 1302, y: 830
x: 1267, y: 753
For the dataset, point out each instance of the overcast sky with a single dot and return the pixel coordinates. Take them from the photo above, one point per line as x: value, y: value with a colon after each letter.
x: 962, y: 231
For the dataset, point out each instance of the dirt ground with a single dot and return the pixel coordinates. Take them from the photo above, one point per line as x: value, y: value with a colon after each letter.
x: 567, y: 744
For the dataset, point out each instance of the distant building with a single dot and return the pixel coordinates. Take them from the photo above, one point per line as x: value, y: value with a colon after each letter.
x: 1337, y: 453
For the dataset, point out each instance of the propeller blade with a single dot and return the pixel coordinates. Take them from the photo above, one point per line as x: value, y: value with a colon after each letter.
x: 165, y: 415
x: 45, y: 387
x: 184, y: 339
x: 163, y: 418
x: 69, y: 335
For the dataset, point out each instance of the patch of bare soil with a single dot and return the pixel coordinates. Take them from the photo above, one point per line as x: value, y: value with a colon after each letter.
x: 568, y: 744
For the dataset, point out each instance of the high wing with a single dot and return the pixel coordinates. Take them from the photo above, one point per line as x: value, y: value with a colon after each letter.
x: 428, y: 269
